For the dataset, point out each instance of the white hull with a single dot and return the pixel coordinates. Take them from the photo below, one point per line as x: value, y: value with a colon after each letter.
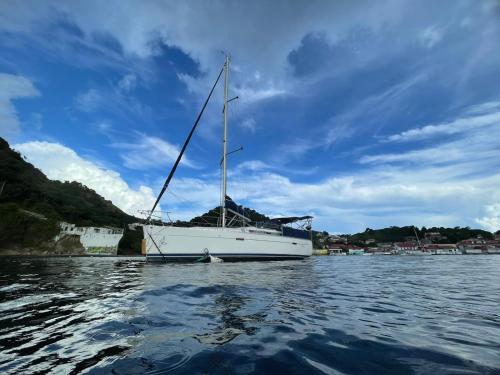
x: 167, y: 243
x: 415, y: 252
x: 446, y: 252
x: 473, y: 251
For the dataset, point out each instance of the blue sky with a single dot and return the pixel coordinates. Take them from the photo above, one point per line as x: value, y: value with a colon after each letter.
x: 363, y: 114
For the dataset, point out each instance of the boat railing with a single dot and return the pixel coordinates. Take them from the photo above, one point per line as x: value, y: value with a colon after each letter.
x: 164, y: 218
x: 156, y: 218
x: 298, y: 229
x: 214, y: 221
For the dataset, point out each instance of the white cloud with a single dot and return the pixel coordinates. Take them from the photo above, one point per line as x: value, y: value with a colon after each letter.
x: 249, y: 125
x: 262, y: 69
x: 430, y: 36
x: 35, y: 121
x: 251, y: 94
x: 491, y: 220
x: 463, y: 168
x: 344, y: 125
x: 104, y: 127
x: 253, y: 165
x: 89, y: 101
x: 451, y: 183
x: 459, y: 125
x: 466, y: 22
x: 201, y: 30
x: 474, y: 149
x: 150, y: 152
x: 59, y: 162
x: 478, y: 151
x: 295, y: 149
x: 260, y: 46
x: 115, y: 99
x: 428, y: 194
x: 127, y: 83
x: 446, y: 183
x: 13, y: 87
x: 484, y: 108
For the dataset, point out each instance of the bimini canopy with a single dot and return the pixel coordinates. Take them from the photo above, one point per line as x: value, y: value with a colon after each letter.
x: 288, y: 220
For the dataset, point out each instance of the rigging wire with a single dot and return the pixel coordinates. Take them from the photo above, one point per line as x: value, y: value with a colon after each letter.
x: 172, y: 171
x: 182, y: 199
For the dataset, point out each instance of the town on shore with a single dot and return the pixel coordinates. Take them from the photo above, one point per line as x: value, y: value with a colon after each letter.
x: 433, y: 243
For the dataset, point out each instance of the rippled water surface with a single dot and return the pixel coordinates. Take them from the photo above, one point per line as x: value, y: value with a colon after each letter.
x: 341, y: 315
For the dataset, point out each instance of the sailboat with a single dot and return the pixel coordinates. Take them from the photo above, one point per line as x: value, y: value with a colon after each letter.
x: 234, y: 237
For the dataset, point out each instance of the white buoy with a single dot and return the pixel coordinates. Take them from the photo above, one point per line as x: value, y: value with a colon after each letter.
x: 215, y: 259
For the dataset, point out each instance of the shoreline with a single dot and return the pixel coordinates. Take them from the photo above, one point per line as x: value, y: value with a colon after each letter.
x: 68, y: 256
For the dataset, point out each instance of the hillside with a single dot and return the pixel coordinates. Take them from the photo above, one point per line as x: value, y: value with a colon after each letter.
x: 27, y: 188
x: 397, y: 234
x: 210, y: 218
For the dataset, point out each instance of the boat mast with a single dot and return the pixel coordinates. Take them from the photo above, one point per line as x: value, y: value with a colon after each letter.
x: 224, y: 143
x: 418, y: 240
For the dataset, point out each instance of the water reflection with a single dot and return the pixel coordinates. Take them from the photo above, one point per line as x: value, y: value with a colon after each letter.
x: 49, y: 306
x: 361, y: 315
x: 228, y: 307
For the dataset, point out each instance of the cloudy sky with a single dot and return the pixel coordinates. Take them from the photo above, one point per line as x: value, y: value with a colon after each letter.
x: 361, y: 113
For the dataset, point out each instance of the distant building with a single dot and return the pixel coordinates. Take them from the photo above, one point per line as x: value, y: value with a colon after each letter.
x: 336, y: 250
x: 493, y: 247
x: 357, y: 251
x: 385, y: 245
x: 442, y: 249
x: 473, y: 242
x: 95, y: 240
x: 379, y: 250
x: 405, y: 246
x: 473, y: 245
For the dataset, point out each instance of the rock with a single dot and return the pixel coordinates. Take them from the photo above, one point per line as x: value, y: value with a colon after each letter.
x: 69, y: 244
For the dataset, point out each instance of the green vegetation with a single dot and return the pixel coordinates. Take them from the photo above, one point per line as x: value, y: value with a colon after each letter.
x: 211, y: 217
x: 18, y: 228
x: 398, y: 234
x: 69, y: 201
x: 27, y: 188
x: 316, y: 239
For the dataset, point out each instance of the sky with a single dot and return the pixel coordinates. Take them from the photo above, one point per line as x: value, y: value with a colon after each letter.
x: 362, y: 114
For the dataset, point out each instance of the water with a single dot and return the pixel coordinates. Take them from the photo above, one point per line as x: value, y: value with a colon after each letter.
x: 339, y: 315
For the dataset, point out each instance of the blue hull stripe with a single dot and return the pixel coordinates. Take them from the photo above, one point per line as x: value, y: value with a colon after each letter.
x: 224, y: 255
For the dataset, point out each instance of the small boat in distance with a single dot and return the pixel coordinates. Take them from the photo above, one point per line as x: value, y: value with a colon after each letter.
x: 235, y: 237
